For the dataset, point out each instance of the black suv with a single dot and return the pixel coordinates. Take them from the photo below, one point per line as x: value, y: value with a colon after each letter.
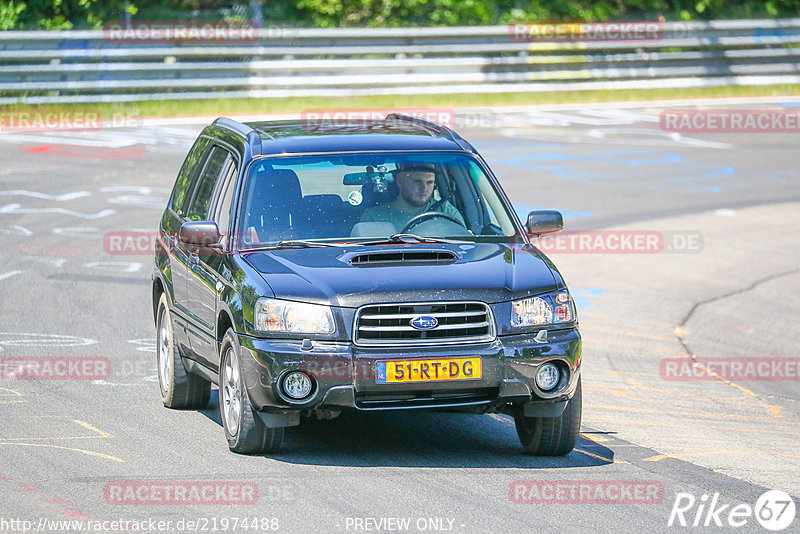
x: 311, y: 268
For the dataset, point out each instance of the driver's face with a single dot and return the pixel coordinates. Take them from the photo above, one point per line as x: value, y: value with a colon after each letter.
x: 416, y: 187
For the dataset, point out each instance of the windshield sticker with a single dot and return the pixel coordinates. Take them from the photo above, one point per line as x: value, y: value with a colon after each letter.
x: 355, y: 198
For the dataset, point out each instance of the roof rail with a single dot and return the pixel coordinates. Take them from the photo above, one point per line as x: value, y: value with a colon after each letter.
x: 244, y: 130
x: 236, y: 126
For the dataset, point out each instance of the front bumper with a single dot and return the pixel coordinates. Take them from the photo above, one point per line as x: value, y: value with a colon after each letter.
x: 344, y: 375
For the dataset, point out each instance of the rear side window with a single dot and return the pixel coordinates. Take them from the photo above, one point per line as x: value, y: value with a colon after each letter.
x: 191, y: 167
x: 201, y: 199
x: 224, y: 195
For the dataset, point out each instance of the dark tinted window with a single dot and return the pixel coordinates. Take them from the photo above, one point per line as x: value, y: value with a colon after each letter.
x: 198, y: 210
x: 188, y: 173
x: 224, y: 195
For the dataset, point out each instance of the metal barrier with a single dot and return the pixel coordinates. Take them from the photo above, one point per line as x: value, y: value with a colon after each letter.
x: 96, y: 66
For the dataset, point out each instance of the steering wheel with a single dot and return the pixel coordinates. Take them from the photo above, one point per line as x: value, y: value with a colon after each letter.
x: 422, y: 217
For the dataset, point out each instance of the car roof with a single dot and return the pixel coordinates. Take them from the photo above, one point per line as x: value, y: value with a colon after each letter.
x: 395, y: 132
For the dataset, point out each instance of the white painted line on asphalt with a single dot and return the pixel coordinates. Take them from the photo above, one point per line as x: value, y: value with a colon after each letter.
x: 123, y: 384
x: 121, y: 266
x: 601, y: 133
x: 142, y: 197
x: 619, y: 116
x: 75, y: 231
x: 20, y: 339
x: 9, y: 274
x: 18, y: 209
x: 58, y: 262
x: 45, y: 196
x: 100, y: 139
x: 145, y: 344
x: 140, y: 201
x: 142, y: 190
x: 15, y: 229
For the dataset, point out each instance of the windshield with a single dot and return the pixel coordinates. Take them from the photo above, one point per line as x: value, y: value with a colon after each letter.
x: 354, y: 197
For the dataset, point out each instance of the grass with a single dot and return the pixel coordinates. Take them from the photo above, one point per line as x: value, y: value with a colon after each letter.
x: 243, y: 106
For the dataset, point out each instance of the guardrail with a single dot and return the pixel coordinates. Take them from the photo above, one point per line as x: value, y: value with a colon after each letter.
x: 92, y: 66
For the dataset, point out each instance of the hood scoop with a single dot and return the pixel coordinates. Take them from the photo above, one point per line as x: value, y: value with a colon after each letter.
x: 416, y: 257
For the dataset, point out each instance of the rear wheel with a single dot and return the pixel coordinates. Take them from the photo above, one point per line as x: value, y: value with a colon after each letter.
x: 245, y: 431
x: 179, y: 389
x: 551, y: 436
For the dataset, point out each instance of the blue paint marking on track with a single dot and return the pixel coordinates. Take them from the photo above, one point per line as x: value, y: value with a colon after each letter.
x: 790, y: 104
x: 665, y: 169
x: 585, y: 296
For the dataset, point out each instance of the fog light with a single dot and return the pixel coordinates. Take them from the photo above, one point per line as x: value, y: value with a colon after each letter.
x: 297, y: 385
x: 547, y: 376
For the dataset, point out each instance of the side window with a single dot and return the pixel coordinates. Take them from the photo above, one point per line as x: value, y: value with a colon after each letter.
x: 224, y: 195
x: 493, y: 211
x: 201, y: 198
x: 189, y: 171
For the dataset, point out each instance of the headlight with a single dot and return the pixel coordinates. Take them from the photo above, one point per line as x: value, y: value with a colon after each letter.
x: 273, y: 315
x: 547, y: 309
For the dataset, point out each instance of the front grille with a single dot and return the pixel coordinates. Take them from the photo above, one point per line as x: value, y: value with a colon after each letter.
x: 390, y: 324
x: 403, y: 258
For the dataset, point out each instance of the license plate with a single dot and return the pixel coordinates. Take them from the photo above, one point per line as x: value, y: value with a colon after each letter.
x: 402, y: 371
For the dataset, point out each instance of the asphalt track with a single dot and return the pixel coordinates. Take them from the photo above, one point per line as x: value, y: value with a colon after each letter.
x: 65, y: 444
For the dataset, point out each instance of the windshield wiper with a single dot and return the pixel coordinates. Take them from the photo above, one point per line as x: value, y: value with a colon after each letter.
x: 297, y: 243
x: 407, y: 239
x: 301, y: 243
x: 410, y: 239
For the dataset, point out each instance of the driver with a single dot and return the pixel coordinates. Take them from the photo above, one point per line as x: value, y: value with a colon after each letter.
x: 415, y: 183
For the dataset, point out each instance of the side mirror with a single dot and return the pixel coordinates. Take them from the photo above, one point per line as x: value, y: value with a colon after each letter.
x: 544, y: 222
x: 200, y: 235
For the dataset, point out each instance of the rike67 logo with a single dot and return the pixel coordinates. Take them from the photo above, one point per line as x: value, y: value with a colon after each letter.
x: 774, y: 510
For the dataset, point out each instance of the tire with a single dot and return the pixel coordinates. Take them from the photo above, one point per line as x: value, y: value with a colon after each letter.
x: 244, y: 430
x: 551, y: 436
x: 179, y: 389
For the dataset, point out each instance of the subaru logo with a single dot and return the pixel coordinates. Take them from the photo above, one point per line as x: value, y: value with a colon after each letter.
x: 424, y: 322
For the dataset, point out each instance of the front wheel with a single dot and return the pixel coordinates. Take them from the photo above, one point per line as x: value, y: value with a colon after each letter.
x: 551, y: 436
x: 245, y: 431
x: 179, y: 389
